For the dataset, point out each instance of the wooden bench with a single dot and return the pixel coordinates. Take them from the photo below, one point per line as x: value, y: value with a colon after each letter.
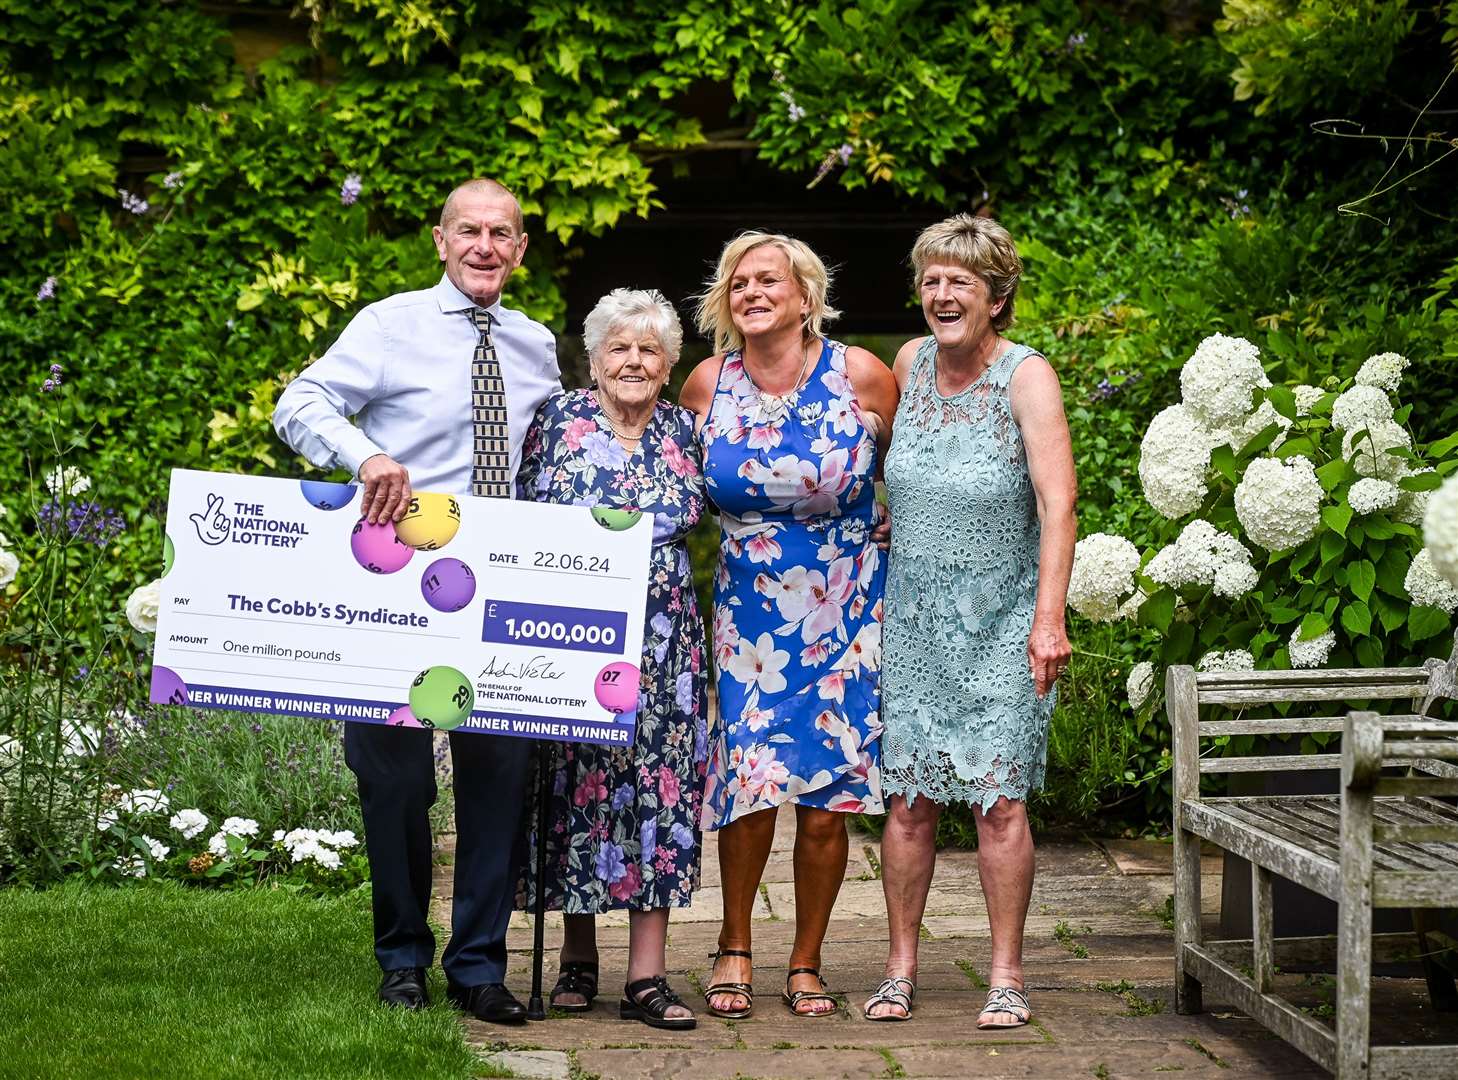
x: 1386, y: 841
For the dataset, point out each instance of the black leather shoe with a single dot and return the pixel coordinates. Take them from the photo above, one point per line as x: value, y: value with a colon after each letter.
x: 405, y: 988
x: 491, y: 1002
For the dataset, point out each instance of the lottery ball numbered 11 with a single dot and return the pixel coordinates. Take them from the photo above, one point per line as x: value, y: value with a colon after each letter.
x: 441, y: 697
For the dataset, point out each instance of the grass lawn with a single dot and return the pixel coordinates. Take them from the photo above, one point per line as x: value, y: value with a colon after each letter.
x: 160, y: 980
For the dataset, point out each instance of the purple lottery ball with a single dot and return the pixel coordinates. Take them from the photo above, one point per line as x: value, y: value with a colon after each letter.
x: 377, y: 548
x: 403, y: 717
x: 326, y: 495
x: 448, y: 584
x: 168, y: 687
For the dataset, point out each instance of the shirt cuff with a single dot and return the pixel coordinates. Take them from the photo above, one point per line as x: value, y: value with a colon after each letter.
x: 355, y: 449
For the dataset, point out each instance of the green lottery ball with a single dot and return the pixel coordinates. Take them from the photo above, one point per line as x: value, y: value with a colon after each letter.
x: 168, y: 554
x: 441, y: 697
x: 616, y: 520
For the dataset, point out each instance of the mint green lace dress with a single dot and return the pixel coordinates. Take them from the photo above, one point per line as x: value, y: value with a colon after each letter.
x: 962, y: 723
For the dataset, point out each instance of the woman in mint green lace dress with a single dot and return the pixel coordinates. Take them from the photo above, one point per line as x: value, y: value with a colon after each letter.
x: 981, y: 484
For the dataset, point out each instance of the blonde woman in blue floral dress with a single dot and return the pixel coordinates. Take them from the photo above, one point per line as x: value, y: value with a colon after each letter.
x: 981, y: 483
x: 626, y: 819
x: 792, y: 429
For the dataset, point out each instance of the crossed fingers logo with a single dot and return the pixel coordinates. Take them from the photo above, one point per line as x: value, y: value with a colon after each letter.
x: 212, y: 523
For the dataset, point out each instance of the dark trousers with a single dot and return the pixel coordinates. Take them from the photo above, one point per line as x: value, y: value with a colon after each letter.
x: 396, y: 774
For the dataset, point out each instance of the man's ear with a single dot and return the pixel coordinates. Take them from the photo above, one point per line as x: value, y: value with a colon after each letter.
x: 438, y: 236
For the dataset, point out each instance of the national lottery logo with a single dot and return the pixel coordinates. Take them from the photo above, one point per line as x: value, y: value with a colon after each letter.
x: 212, y: 523
x: 244, y: 523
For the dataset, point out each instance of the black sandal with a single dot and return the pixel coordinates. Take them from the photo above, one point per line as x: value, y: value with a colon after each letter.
x: 576, y: 977
x: 793, y: 999
x: 743, y: 990
x: 650, y: 1008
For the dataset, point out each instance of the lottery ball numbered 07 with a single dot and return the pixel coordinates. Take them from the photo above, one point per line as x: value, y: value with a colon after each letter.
x: 430, y: 521
x: 441, y: 697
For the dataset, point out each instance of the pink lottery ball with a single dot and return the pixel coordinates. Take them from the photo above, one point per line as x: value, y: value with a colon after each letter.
x: 377, y: 548
x: 403, y: 717
x: 616, y: 687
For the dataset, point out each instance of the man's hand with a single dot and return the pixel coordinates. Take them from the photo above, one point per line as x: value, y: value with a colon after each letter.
x: 386, y: 489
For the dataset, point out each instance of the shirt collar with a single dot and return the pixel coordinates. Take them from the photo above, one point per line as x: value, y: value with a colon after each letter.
x: 451, y: 299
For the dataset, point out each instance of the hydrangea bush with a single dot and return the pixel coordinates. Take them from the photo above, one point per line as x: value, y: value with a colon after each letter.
x: 1292, y: 530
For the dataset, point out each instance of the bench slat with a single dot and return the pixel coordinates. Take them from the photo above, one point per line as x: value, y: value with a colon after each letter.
x: 1415, y: 834
x: 1266, y: 695
x: 1415, y: 888
x: 1331, y: 676
x: 1252, y: 841
x: 1325, y: 814
x: 1409, y: 1062
x: 1443, y: 749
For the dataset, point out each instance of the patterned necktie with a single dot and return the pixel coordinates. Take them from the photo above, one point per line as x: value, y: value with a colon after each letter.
x: 491, y: 442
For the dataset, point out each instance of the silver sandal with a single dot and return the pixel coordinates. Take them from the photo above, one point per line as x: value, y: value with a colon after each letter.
x: 890, y: 993
x: 1005, y: 999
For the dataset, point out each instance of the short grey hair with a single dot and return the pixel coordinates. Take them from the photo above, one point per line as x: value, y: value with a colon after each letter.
x: 978, y: 244
x: 640, y: 311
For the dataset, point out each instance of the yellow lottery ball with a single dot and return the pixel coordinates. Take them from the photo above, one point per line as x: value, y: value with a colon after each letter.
x: 431, y: 522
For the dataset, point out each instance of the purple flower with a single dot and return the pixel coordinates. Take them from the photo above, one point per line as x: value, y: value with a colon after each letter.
x: 47, y: 289
x: 609, y: 863
x: 1075, y: 42
x: 172, y: 181
x: 845, y: 153
x: 701, y: 738
x: 648, y: 838
x: 89, y: 522
x: 661, y: 624
x: 604, y: 451
x: 622, y: 796
x: 795, y: 111
x: 132, y: 204
x: 683, y: 692
x: 47, y: 386
x: 559, y: 784
x: 350, y: 189
x: 682, y: 835
x: 56, y: 369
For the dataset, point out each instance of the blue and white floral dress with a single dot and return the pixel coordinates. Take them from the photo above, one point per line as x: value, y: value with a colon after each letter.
x: 625, y: 830
x: 797, y: 597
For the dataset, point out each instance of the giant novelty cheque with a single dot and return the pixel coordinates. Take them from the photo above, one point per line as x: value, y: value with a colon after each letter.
x: 468, y: 615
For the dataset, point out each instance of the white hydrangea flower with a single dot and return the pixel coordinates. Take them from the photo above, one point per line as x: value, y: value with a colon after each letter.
x: 189, y: 822
x: 65, y: 481
x: 9, y: 567
x: 132, y: 866
x: 1103, y: 575
x: 143, y: 801
x: 142, y: 606
x: 1383, y: 370
x: 1230, y: 660
x: 218, y: 844
x: 1204, y: 555
x: 1426, y: 586
x: 240, y: 826
x: 1258, y: 421
x: 1369, y: 495
x: 1278, y: 502
x: 1140, y: 684
x: 1173, y: 460
x: 1306, y: 398
x: 1217, y: 380
x: 1129, y: 609
x: 1312, y: 653
x: 1369, y: 455
x: 1412, y: 505
x: 1233, y: 580
x: 1360, y: 407
x: 157, y: 849
x: 1440, y: 530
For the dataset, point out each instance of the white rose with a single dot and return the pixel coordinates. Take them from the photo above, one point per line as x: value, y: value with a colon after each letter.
x: 189, y: 822
x: 142, y: 606
x: 158, y: 849
x: 9, y: 567
x: 240, y: 826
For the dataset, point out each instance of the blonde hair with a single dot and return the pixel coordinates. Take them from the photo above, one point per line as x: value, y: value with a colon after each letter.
x: 639, y: 311
x: 982, y: 246
x: 713, y: 315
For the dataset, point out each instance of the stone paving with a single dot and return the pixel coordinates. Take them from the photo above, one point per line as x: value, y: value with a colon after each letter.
x: 1099, y: 972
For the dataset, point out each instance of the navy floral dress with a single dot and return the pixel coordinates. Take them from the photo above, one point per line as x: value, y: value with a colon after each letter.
x: 625, y: 830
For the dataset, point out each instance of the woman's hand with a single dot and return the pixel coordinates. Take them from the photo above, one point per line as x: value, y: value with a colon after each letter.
x: 881, y: 534
x: 1048, y: 653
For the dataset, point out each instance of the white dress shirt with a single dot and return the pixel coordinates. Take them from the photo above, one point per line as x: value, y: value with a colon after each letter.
x: 402, y: 369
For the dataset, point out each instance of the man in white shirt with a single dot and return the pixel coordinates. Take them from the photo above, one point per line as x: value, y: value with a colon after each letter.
x: 442, y: 384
